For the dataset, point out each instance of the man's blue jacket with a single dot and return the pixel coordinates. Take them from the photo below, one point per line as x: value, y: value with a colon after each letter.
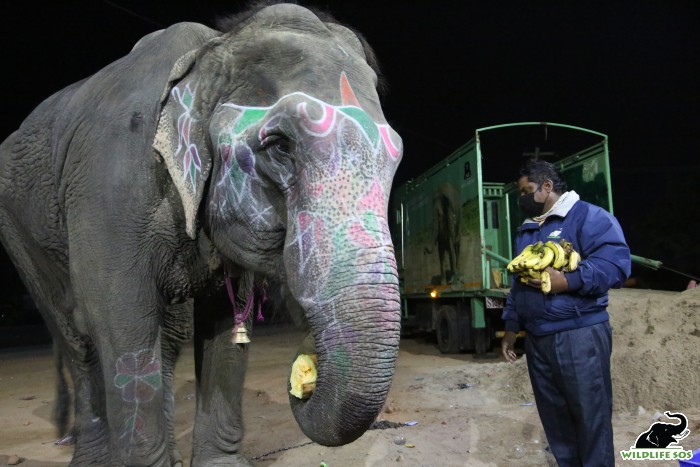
x: 605, y: 263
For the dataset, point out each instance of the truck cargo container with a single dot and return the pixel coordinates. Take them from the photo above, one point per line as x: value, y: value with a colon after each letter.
x: 453, y: 232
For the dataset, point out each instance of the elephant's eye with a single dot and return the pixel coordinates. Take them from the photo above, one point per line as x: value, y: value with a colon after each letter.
x: 277, y: 144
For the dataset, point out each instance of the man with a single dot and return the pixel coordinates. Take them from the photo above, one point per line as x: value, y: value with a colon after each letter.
x: 569, y: 339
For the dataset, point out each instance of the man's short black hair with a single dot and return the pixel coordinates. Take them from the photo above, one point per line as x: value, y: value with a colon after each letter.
x: 538, y: 171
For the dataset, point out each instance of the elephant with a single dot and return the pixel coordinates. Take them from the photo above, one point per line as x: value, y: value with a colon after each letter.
x: 661, y: 435
x: 130, y: 198
x: 446, y: 228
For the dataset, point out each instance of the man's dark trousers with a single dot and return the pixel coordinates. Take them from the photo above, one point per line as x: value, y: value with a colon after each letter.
x: 570, y: 376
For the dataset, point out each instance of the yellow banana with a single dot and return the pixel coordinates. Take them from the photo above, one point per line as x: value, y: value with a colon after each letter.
x: 566, y: 245
x: 530, y: 262
x: 514, y: 262
x: 534, y: 257
x: 574, y: 259
x: 528, y: 253
x: 546, y: 282
x: 530, y: 274
x: 545, y: 259
x: 559, y: 254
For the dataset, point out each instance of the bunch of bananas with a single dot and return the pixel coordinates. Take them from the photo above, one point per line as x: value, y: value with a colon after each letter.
x: 535, y: 258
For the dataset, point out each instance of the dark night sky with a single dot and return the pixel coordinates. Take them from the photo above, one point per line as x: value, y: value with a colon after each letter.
x: 628, y: 69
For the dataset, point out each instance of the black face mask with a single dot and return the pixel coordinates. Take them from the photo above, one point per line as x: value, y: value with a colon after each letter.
x: 529, y: 206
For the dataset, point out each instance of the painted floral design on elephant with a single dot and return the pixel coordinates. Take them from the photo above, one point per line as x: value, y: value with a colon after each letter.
x: 238, y: 164
x: 378, y: 135
x: 139, y: 378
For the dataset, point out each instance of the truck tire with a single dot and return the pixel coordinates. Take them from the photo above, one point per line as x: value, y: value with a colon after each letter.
x: 447, y: 330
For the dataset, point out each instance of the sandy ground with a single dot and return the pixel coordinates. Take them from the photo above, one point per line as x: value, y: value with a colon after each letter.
x: 468, y: 412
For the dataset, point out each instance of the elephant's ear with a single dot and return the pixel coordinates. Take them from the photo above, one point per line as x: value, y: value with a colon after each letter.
x: 182, y: 138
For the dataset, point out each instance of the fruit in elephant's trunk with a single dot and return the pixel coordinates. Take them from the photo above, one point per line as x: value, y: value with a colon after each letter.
x: 303, y: 377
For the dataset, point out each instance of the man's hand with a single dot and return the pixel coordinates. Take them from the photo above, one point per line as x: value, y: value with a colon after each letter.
x: 556, y: 278
x: 508, y: 346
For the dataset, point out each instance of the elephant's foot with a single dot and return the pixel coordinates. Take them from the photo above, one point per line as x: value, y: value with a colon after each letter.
x: 91, y: 443
x: 90, y: 454
x: 175, y: 458
x: 222, y: 460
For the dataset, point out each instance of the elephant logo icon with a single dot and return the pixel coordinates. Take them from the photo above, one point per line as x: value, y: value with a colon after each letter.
x: 661, y: 435
x: 660, y: 441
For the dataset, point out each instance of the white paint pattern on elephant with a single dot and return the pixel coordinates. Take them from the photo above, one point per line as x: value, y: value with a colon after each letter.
x: 191, y: 161
x: 375, y: 133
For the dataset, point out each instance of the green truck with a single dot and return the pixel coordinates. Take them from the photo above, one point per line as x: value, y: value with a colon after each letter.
x: 453, y: 231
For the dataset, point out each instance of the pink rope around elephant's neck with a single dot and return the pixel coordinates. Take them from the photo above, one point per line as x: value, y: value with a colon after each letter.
x: 241, y: 315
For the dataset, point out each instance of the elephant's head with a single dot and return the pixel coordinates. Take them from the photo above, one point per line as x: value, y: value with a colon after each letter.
x: 670, y: 433
x: 274, y: 136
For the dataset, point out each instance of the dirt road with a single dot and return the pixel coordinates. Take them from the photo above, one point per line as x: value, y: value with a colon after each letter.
x: 468, y: 412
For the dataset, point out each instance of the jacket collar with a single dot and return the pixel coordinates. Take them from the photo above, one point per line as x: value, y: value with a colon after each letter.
x: 561, y: 208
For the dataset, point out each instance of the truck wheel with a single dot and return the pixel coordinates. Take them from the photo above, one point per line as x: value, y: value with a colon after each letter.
x: 448, y: 336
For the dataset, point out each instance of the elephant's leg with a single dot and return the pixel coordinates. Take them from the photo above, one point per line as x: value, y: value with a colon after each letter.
x: 132, y: 364
x: 452, y: 259
x: 124, y: 316
x: 90, y: 427
x: 441, y: 256
x: 177, y: 330
x: 50, y: 288
x: 220, y: 367
x: 89, y: 431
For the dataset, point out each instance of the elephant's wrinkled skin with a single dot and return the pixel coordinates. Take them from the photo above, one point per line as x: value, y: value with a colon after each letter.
x: 123, y: 195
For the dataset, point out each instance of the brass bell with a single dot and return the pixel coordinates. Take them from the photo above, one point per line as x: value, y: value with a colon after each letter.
x: 240, y: 335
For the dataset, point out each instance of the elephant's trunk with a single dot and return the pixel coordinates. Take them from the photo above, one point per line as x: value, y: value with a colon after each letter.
x: 356, y: 339
x: 680, y: 428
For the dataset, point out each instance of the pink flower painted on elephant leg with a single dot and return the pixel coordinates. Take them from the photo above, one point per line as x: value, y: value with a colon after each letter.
x: 138, y: 376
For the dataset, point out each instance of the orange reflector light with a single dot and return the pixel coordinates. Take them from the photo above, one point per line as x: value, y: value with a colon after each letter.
x: 433, y: 293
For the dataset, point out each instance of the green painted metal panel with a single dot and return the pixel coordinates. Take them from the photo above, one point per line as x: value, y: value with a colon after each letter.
x: 478, y: 310
x: 495, y: 234
x: 439, y: 220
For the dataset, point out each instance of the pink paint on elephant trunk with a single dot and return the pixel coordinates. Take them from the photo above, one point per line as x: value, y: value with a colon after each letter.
x: 356, y: 351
